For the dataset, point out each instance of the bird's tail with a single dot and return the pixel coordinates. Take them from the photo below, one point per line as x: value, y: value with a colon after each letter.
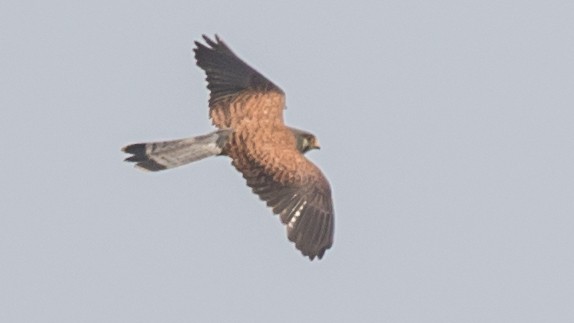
x: 156, y: 156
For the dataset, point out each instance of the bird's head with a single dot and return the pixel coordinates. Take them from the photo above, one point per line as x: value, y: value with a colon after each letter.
x: 305, y: 140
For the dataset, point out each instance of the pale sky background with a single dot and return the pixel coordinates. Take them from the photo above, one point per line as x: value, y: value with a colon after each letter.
x: 447, y: 132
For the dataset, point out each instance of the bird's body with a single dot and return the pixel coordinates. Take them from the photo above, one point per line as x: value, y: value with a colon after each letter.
x: 248, y: 110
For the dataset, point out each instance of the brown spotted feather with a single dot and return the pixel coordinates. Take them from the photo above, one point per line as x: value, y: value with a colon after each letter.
x: 264, y: 150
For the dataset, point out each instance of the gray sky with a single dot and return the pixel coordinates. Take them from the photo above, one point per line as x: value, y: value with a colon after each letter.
x: 446, y: 131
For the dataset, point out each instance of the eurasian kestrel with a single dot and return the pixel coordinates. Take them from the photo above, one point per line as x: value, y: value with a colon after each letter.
x: 248, y: 110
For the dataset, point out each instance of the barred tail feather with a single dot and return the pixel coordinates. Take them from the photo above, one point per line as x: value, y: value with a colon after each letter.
x: 156, y: 156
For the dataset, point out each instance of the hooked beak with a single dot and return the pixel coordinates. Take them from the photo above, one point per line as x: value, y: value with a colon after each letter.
x: 315, y: 144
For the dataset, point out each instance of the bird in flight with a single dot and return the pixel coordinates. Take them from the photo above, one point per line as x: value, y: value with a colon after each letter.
x: 247, y: 109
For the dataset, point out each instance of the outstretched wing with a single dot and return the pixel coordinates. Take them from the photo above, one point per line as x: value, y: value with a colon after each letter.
x: 264, y: 150
x: 302, y: 199
x: 230, y: 82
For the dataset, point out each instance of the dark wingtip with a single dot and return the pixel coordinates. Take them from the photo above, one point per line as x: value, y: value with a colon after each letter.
x: 200, y: 46
x: 214, y: 46
x: 318, y: 255
x: 210, y: 41
x: 227, y: 74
